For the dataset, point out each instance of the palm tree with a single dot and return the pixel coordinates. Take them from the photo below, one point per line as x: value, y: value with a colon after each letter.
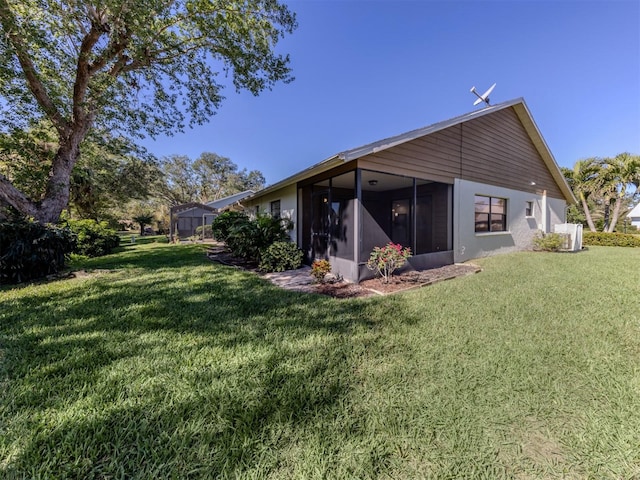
x: 143, y: 219
x: 620, y: 175
x: 584, y: 181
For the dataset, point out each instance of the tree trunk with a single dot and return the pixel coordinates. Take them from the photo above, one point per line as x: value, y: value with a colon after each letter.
x: 587, y: 213
x: 56, y: 197
x: 616, y: 214
x: 606, y: 215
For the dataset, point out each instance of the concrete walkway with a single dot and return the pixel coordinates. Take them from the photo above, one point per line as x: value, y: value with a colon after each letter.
x: 299, y: 280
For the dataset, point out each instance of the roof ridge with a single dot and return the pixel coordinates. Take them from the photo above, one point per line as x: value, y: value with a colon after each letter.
x: 394, y: 140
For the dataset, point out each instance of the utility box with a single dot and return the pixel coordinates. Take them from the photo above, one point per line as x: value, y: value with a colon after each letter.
x: 571, y: 234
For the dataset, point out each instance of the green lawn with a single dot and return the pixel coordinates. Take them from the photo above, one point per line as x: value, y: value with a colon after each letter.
x: 163, y: 365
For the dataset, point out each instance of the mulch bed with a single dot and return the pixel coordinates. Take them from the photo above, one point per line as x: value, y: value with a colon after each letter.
x: 223, y: 256
x: 366, y: 288
x: 421, y: 278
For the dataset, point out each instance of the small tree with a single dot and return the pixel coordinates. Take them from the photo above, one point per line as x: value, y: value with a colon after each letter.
x: 142, y: 220
x: 385, y: 260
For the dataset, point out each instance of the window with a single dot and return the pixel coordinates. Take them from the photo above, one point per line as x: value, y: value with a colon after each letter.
x: 490, y: 214
x: 275, y: 209
x: 528, y: 209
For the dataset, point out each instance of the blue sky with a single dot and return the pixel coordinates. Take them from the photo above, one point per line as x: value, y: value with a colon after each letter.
x: 366, y: 70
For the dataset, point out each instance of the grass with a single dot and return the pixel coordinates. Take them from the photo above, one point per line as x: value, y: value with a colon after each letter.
x: 163, y: 365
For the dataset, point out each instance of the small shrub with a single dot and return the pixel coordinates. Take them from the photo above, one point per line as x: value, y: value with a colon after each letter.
x: 610, y: 239
x: 548, y: 242
x: 249, y: 238
x: 95, y: 239
x: 208, y: 231
x: 30, y: 250
x: 281, y: 256
x: 225, y: 222
x: 385, y: 260
x: 319, y: 269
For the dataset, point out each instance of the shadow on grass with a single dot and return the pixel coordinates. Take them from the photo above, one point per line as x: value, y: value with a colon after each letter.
x: 184, y: 367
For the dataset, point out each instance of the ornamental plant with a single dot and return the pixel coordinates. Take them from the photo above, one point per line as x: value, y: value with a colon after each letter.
x: 319, y: 269
x: 385, y: 260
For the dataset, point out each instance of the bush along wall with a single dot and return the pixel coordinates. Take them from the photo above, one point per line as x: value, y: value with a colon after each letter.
x: 610, y: 239
x: 30, y: 250
x: 281, y: 256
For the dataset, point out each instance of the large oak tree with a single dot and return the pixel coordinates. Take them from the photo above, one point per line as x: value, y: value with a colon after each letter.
x: 134, y: 67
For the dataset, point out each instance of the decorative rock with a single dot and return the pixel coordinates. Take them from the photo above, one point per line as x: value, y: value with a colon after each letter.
x: 331, y: 278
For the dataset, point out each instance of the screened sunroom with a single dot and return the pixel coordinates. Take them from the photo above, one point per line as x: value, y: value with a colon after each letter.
x: 346, y: 215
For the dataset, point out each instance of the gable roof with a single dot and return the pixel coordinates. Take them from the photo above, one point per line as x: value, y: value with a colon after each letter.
x: 635, y: 212
x: 229, y: 200
x: 519, y: 106
x: 216, y: 204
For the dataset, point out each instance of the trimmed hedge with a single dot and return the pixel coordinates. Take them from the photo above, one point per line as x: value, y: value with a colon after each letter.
x: 610, y: 239
x: 30, y: 250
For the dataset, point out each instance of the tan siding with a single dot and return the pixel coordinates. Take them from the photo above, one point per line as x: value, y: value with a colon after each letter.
x: 495, y: 149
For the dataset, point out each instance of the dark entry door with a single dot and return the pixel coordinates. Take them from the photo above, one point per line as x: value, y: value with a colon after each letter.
x: 401, y: 222
x: 424, y: 225
x: 320, y: 224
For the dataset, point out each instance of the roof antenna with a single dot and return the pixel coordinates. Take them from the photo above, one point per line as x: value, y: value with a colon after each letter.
x: 484, y: 97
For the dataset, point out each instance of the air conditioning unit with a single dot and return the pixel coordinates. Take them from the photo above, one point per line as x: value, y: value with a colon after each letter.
x: 571, y: 234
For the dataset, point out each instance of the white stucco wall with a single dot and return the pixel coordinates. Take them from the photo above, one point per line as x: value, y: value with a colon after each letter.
x: 288, y: 206
x: 468, y: 244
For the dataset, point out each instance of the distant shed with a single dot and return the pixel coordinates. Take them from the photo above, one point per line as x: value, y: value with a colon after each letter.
x: 186, y: 218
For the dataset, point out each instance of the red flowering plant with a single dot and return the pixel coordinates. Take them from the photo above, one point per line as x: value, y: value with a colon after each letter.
x: 385, y: 260
x: 319, y: 269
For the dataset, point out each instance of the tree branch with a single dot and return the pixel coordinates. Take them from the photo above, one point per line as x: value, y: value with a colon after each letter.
x: 34, y: 83
x: 10, y: 195
x: 83, y: 72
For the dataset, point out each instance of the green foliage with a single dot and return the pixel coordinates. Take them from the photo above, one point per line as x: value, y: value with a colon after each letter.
x: 30, y: 250
x: 385, y: 260
x: 208, y: 231
x: 223, y: 223
x: 250, y: 238
x: 149, y: 67
x: 610, y: 239
x: 94, y: 238
x: 548, y: 242
x: 281, y: 256
x: 207, y: 178
x: 170, y: 51
x: 576, y: 215
x: 319, y: 269
x: 142, y: 220
x: 604, y: 188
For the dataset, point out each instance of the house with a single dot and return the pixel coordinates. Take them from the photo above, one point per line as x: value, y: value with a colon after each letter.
x: 634, y: 216
x: 476, y: 185
x: 187, y: 217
